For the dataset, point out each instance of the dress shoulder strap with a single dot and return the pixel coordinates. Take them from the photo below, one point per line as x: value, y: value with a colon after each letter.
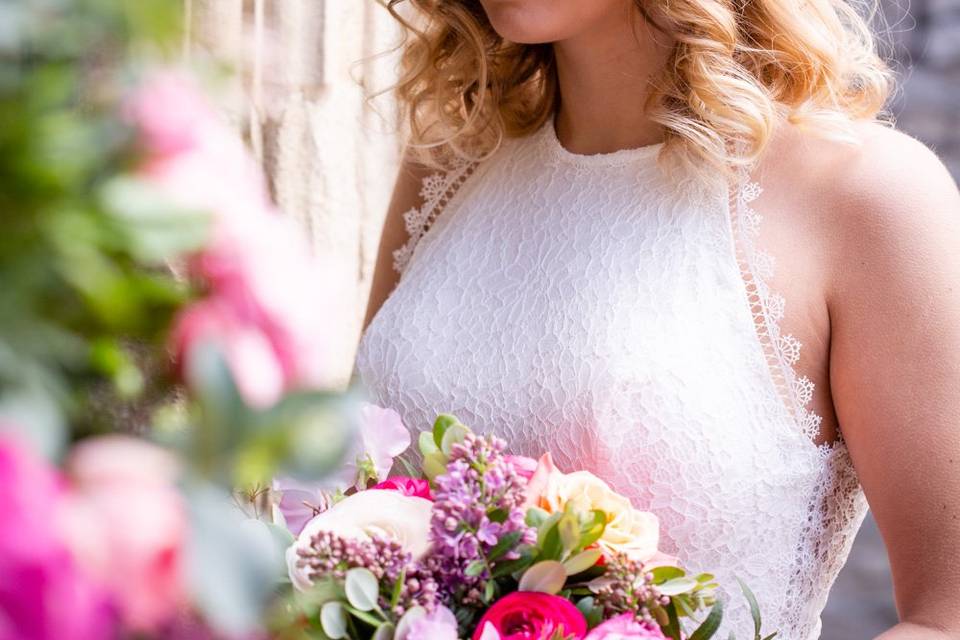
x: 436, y: 192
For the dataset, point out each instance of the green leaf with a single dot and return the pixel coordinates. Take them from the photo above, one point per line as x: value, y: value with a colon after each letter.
x: 547, y: 527
x: 569, y: 532
x: 434, y: 464
x: 365, y: 616
x: 582, y: 561
x: 385, y: 631
x: 592, y: 528
x: 672, y: 628
x: 547, y: 576
x: 664, y: 573
x: 333, y: 620
x: 475, y: 568
x: 426, y: 444
x: 490, y: 591
x: 675, y: 586
x: 455, y: 434
x: 754, y: 607
x: 551, y: 547
x: 398, y: 588
x: 504, y: 544
x: 443, y: 422
x: 535, y: 517
x: 709, y: 626
x: 362, y: 589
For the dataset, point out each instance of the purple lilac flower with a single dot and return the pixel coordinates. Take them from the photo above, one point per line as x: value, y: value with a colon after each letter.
x: 331, y: 556
x: 477, y: 502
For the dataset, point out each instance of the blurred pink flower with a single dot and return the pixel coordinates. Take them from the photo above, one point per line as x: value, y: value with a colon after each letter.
x: 272, y: 294
x: 43, y: 594
x: 625, y: 627
x: 127, y: 526
x: 407, y: 486
x: 251, y: 358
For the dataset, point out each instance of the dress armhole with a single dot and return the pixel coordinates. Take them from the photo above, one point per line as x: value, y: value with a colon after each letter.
x: 782, y: 351
x: 436, y: 191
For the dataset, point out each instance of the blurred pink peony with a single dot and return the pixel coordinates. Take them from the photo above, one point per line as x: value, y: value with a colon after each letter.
x: 625, y: 627
x: 43, y: 594
x: 127, y: 525
x: 530, y: 615
x: 269, y: 294
x: 407, y: 486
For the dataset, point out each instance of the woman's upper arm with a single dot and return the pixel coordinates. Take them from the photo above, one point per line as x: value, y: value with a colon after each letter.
x: 895, y: 364
x: 406, y: 196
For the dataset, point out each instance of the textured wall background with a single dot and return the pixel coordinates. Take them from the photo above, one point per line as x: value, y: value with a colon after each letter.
x: 331, y: 158
x: 302, y: 71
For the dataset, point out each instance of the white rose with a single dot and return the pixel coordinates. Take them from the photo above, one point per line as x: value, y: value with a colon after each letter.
x: 363, y: 515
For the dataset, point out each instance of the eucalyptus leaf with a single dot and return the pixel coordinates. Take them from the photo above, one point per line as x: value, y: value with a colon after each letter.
x: 582, y: 561
x: 384, y: 632
x: 676, y: 586
x: 547, y: 576
x: 333, y: 620
x: 455, y: 434
x: 362, y: 589
x: 569, y: 530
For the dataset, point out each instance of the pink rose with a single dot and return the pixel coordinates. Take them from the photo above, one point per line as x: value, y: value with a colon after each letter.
x: 407, y: 486
x: 43, y: 593
x: 530, y: 615
x: 524, y: 466
x: 127, y: 525
x: 625, y: 627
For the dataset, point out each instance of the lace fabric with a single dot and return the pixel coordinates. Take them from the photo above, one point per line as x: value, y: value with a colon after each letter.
x: 591, y: 307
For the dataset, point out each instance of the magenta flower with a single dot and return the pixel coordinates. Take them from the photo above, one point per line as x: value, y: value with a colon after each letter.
x: 127, y: 525
x: 530, y: 615
x: 407, y: 486
x: 43, y: 593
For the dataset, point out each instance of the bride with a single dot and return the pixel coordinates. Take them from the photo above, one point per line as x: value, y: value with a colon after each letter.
x: 618, y: 222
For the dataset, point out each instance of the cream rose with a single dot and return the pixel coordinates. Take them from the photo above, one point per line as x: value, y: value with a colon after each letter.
x: 630, y: 531
x: 363, y: 515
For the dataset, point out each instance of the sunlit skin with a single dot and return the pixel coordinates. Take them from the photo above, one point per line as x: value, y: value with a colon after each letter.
x: 867, y: 246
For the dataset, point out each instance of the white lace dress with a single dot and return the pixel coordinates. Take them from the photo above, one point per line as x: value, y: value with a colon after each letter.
x: 590, y: 307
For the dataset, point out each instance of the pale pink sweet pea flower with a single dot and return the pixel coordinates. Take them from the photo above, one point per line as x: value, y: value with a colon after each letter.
x: 382, y: 436
x: 625, y: 627
x: 299, y: 501
x: 524, y: 466
x: 439, y: 624
x: 127, y: 525
x: 44, y: 595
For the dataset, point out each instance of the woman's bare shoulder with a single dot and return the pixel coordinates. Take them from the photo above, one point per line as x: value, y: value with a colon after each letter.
x: 873, y: 199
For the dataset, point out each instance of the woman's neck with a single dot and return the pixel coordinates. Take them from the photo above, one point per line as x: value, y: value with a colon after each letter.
x: 604, y: 80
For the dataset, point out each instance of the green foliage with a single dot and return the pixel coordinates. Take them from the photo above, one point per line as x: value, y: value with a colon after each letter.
x: 81, y: 309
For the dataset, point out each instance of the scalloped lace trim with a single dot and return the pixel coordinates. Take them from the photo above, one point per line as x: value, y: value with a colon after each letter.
x: 437, y: 191
x: 782, y: 350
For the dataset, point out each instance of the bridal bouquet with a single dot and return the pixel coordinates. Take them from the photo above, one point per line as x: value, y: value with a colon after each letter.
x: 486, y: 545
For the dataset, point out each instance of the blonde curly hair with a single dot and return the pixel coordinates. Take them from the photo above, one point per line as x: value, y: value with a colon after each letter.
x: 738, y: 67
